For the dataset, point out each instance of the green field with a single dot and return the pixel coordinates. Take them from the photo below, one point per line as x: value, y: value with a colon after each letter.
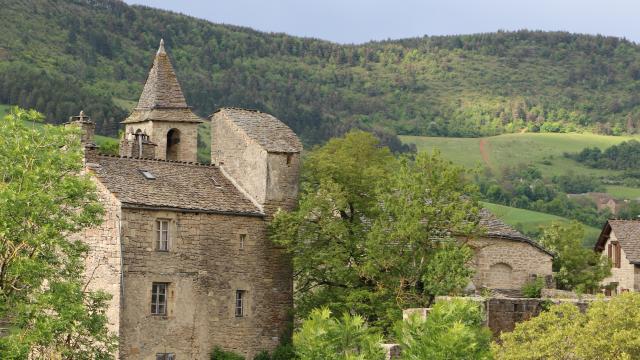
x: 531, y: 221
x: 543, y: 150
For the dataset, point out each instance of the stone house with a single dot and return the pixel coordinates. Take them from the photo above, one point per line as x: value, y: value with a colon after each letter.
x: 505, y: 259
x: 620, y: 242
x: 183, y: 247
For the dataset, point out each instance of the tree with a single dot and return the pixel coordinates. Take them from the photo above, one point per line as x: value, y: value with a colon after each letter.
x: 324, y: 337
x: 372, y: 234
x: 577, y: 268
x: 607, y: 330
x: 44, y: 200
x: 453, y: 330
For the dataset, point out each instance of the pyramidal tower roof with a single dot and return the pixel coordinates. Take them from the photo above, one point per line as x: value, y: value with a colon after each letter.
x: 162, y: 98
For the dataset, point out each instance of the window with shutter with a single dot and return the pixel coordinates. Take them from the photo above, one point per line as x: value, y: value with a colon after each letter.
x: 609, y: 251
x: 618, y: 255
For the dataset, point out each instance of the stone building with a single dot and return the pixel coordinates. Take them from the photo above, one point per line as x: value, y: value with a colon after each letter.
x: 620, y: 242
x: 183, y: 247
x: 505, y: 259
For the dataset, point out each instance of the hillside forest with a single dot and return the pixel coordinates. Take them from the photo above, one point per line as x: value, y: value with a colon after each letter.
x: 63, y: 55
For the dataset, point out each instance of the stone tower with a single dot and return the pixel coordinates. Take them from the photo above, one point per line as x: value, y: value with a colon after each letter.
x: 162, y: 125
x: 260, y: 153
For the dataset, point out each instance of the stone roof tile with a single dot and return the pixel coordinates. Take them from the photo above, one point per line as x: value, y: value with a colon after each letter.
x: 269, y: 132
x: 177, y: 185
x: 628, y: 234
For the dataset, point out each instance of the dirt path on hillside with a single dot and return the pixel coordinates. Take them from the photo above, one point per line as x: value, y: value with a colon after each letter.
x: 484, y: 152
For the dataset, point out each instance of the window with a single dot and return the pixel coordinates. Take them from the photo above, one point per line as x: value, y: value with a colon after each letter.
x: 159, y: 298
x: 162, y: 235
x: 243, y: 237
x: 165, y: 356
x: 148, y: 175
x: 614, y: 253
x: 240, y: 297
x: 289, y: 157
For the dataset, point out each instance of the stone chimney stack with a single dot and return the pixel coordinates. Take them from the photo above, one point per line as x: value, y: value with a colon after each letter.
x: 88, y: 128
x: 137, y: 145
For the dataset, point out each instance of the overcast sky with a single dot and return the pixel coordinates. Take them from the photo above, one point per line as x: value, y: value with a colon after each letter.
x: 357, y: 21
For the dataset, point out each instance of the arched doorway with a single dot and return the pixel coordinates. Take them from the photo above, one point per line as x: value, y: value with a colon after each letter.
x: 173, y: 144
x: 500, y: 276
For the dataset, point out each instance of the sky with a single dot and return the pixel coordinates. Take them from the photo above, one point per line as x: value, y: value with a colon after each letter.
x: 358, y: 21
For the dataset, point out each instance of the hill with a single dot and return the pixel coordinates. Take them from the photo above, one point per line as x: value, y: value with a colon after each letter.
x: 61, y: 55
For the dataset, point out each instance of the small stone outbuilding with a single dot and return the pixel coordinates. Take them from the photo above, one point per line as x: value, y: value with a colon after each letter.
x: 505, y: 259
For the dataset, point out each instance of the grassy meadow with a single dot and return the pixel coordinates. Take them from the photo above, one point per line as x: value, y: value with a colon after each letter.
x: 544, y: 150
x: 530, y: 221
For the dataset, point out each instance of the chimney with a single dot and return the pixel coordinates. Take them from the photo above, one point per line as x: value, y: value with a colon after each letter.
x: 88, y: 128
x: 137, y: 145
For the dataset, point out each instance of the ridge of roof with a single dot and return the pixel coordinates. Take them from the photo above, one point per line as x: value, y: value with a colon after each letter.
x: 157, y: 160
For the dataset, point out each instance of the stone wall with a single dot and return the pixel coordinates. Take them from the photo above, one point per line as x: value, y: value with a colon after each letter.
x: 627, y: 275
x: 507, y: 264
x: 244, y: 160
x: 103, y: 262
x: 206, y: 264
x: 270, y: 179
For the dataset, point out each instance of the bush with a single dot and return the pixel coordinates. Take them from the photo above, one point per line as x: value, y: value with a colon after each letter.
x: 533, y: 288
x: 607, y: 330
x: 453, y: 330
x: 327, y: 338
x: 282, y: 352
x: 219, y: 354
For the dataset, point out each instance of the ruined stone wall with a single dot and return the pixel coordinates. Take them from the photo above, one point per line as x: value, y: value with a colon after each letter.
x: 204, y: 267
x: 103, y: 263
x: 625, y: 276
x: 507, y: 264
x: 157, y: 131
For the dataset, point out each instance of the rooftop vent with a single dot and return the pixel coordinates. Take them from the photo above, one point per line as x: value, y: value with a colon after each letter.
x: 148, y: 175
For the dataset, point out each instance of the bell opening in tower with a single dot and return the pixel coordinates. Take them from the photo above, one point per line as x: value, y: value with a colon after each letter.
x: 173, y: 144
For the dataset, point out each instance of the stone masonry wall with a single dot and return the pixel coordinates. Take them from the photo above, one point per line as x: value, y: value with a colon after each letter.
x: 244, y: 160
x: 205, y: 266
x: 282, y: 183
x: 507, y: 264
x: 103, y: 269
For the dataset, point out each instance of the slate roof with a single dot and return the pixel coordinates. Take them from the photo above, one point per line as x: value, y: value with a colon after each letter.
x: 162, y: 98
x: 178, y: 185
x: 269, y: 132
x: 496, y: 228
x: 628, y: 234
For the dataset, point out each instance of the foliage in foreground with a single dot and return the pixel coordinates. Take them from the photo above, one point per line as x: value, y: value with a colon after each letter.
x: 576, y: 268
x: 607, y: 330
x: 43, y: 200
x: 348, y: 338
x: 452, y: 330
x: 373, y: 234
x: 219, y: 354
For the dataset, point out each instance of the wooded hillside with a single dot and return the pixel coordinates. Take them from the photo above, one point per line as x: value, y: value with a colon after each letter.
x: 62, y: 55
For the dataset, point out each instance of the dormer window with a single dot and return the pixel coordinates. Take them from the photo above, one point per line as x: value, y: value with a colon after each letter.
x: 148, y: 175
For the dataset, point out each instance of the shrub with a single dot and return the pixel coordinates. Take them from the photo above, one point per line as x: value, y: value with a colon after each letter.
x: 219, y: 354
x: 453, y: 330
x: 282, y: 352
x: 533, y: 288
x: 327, y: 338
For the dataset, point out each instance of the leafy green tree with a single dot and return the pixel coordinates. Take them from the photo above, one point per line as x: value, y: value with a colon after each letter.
x: 453, y: 330
x: 607, y: 330
x: 348, y: 338
x: 43, y: 201
x: 577, y: 268
x: 373, y: 234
